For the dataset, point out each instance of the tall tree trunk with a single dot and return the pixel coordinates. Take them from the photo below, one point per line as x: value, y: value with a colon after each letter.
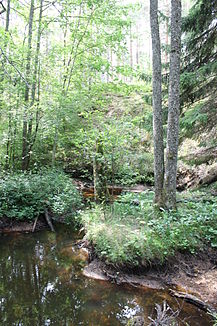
x: 99, y: 173
x: 14, y: 134
x: 137, y: 45
x: 167, y: 33
x: 131, y: 47
x: 31, y: 138
x: 27, y: 90
x: 8, y: 16
x: 173, y: 106
x: 8, y: 146
x: 157, y: 104
x: 55, y: 142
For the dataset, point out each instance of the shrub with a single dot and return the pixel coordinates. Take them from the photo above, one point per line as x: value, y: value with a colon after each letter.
x: 26, y: 196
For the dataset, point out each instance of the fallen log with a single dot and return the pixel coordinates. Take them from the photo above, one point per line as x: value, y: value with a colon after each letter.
x: 193, y: 300
x: 48, y: 220
x: 210, y: 177
x: 203, y: 155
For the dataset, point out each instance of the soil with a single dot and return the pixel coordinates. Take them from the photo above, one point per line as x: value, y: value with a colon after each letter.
x: 11, y: 225
x: 195, y: 276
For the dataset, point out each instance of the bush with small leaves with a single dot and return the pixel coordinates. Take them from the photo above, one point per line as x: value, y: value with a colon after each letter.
x: 25, y: 196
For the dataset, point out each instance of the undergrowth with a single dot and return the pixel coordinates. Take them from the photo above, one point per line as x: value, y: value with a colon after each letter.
x: 131, y: 232
x: 24, y: 196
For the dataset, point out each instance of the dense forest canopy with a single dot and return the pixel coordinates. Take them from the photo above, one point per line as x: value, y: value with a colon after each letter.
x: 74, y: 73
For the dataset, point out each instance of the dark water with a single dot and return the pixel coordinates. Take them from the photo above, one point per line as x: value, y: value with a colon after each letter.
x: 41, y: 284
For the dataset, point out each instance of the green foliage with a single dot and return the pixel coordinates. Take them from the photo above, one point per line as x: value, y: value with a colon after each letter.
x: 71, y: 69
x: 146, y: 236
x: 26, y: 196
x: 193, y: 119
x: 198, y: 79
x: 213, y: 314
x: 119, y: 121
x: 200, y: 29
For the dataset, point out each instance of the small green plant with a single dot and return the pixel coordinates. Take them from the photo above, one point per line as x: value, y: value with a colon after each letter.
x: 26, y: 196
x: 132, y: 232
x: 213, y: 314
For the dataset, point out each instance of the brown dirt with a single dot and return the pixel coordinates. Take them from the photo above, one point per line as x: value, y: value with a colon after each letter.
x: 195, y: 275
x: 10, y: 225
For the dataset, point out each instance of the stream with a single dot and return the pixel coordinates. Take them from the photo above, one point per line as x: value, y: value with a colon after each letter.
x: 41, y: 283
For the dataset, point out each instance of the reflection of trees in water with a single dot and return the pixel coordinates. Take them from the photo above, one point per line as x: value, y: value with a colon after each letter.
x: 38, y: 286
x: 41, y: 284
x: 31, y: 292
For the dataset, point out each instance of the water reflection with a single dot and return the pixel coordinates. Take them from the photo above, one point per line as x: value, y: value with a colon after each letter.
x: 41, y: 284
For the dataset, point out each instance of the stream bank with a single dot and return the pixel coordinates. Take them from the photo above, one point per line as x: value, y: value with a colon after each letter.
x: 192, y: 278
x: 42, y: 284
x: 8, y: 225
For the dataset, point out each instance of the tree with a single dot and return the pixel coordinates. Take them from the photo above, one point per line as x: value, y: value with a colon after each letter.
x: 173, y: 106
x: 166, y: 195
x: 198, y: 78
x: 28, y: 135
x: 157, y: 104
x: 25, y: 146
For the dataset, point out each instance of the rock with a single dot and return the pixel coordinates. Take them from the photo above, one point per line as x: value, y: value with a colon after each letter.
x: 94, y: 270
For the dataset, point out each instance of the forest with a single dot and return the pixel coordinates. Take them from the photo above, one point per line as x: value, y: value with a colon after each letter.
x: 108, y: 162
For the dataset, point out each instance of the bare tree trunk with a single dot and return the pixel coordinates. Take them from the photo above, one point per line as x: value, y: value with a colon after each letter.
x: 8, y: 147
x: 157, y: 104
x: 2, y: 90
x: 173, y: 107
x: 31, y: 138
x: 27, y: 89
x: 137, y: 45
x: 55, y: 142
x: 8, y: 16
x: 99, y: 173
x: 131, y: 47
x: 167, y: 32
x: 111, y: 60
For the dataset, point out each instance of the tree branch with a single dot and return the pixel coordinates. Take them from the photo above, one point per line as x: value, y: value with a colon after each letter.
x: 15, y: 68
x: 3, y: 7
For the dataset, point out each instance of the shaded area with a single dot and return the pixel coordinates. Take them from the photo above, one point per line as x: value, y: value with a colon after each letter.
x: 41, y: 283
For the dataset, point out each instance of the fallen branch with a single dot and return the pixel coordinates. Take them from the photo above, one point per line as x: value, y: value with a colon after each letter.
x: 48, y: 220
x: 193, y: 300
x: 34, y: 225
